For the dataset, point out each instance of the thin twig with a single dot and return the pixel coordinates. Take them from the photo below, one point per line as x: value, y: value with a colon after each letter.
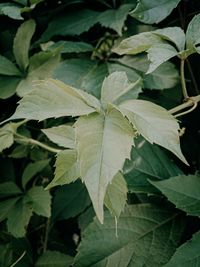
x: 19, y: 259
x: 183, y: 83
x: 46, y: 235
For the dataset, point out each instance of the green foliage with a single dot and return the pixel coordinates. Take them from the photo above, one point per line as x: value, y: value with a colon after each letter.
x: 96, y: 169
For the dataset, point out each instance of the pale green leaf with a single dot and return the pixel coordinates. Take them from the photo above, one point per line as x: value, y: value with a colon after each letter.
x: 54, y: 259
x: 22, y: 43
x: 183, y: 191
x: 8, y: 86
x: 158, y: 54
x: 67, y: 168
x: 173, y: 34
x: 103, y: 143
x: 122, y: 88
x: 6, y: 136
x: 153, y: 11
x: 32, y: 169
x: 82, y: 73
x: 72, y: 47
x: 62, y: 135
x: 137, y: 43
x: 11, y: 10
x: 69, y: 201
x: 193, y: 33
x: 6, y: 206
x: 42, y: 66
x: 52, y: 98
x: 8, y: 68
x: 147, y: 162
x: 165, y: 76
x: 73, y: 23
x: 116, y: 195
x: 18, y: 218
x: 188, y: 254
x: 8, y: 189
x: 40, y: 201
x: 115, y: 18
x: 155, y: 124
x: 146, y: 236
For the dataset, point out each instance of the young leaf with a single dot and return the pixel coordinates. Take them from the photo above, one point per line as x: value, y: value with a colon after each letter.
x: 188, y: 254
x: 154, y: 123
x: 18, y: 218
x: 67, y: 168
x: 42, y: 66
x: 183, y: 191
x: 54, y: 259
x: 6, y: 136
x: 11, y: 10
x: 122, y: 85
x: 115, y: 18
x: 193, y: 33
x: 103, y: 143
x: 67, y: 101
x: 147, y: 235
x: 73, y: 23
x: 137, y: 43
x: 8, y: 68
x: 173, y: 34
x: 116, y: 195
x: 40, y: 201
x: 158, y: 54
x: 69, y: 201
x: 153, y: 11
x: 62, y: 135
x: 147, y: 162
x: 22, y: 43
x: 32, y: 169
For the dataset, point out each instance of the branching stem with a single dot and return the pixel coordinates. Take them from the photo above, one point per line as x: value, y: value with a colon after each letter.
x: 183, y: 83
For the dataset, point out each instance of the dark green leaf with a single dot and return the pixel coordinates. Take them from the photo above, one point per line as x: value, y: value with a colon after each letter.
x: 188, y: 254
x: 8, y: 68
x: 54, y: 259
x: 115, y: 18
x: 73, y: 23
x: 72, y: 47
x: 147, y: 162
x: 32, y: 169
x: 70, y: 201
x: 146, y: 236
x: 153, y: 11
x: 40, y: 201
x: 183, y: 191
x: 8, y: 86
x: 8, y: 189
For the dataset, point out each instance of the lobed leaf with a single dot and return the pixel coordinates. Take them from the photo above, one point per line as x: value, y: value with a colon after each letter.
x: 99, y: 157
x: 62, y: 135
x: 54, y: 259
x: 154, y: 123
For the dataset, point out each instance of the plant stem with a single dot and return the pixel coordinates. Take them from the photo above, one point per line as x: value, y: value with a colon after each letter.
x: 35, y: 142
x: 12, y: 265
x: 183, y: 83
x: 192, y: 76
x: 46, y: 235
x: 191, y: 101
